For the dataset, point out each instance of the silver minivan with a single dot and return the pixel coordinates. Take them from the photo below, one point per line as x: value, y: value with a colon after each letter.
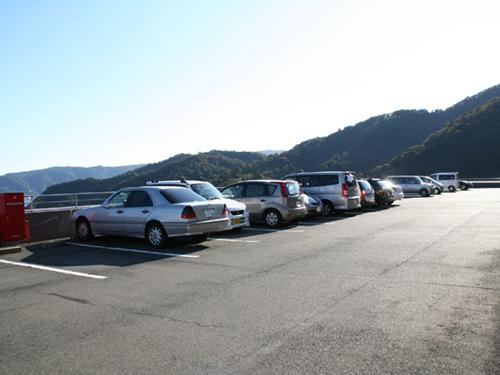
x: 338, y: 190
x: 272, y: 201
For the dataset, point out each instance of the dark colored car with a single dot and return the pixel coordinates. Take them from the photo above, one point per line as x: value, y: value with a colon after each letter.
x: 367, y: 194
x: 384, y: 195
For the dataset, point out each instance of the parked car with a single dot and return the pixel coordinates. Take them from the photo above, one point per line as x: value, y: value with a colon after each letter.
x: 154, y: 213
x: 465, y: 185
x: 384, y: 192
x: 338, y: 191
x: 238, y: 213
x: 367, y: 194
x: 448, y: 179
x: 438, y: 186
x: 397, y: 191
x: 313, y: 205
x: 273, y: 201
x: 412, y: 185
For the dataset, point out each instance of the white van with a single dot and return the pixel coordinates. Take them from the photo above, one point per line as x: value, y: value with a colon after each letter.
x: 448, y: 179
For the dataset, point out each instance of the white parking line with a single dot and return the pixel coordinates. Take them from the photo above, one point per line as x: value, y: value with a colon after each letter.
x: 273, y: 230
x: 52, y: 269
x: 233, y: 240
x: 133, y: 250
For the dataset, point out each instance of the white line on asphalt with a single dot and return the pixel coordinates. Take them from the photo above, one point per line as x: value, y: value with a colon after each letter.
x: 274, y: 230
x: 59, y: 270
x: 232, y: 240
x: 133, y: 250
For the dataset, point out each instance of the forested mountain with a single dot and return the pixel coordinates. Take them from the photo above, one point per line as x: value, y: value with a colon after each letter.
x: 218, y: 167
x: 36, y: 181
x: 470, y: 144
x: 361, y: 148
x: 375, y: 141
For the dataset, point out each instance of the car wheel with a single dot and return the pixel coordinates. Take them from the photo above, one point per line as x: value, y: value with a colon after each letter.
x: 424, y: 193
x: 452, y: 188
x: 83, y: 230
x: 327, y: 209
x: 463, y: 187
x: 438, y: 191
x: 272, y: 218
x: 199, y: 238
x: 156, y: 235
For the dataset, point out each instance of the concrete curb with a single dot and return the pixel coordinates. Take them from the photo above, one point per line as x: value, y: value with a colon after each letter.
x: 10, y: 249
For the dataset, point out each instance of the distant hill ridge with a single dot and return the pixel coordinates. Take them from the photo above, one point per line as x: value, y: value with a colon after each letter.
x: 362, y: 148
x: 36, y: 181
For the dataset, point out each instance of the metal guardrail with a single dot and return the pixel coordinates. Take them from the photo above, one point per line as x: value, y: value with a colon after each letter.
x: 69, y: 200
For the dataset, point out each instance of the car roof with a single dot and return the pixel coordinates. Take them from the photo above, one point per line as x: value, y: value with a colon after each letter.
x: 318, y: 173
x: 152, y: 187
x: 445, y: 172
x: 172, y: 182
x: 272, y: 181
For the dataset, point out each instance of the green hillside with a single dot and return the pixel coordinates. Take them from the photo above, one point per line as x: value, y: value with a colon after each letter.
x: 469, y: 144
x: 361, y: 148
x: 35, y: 182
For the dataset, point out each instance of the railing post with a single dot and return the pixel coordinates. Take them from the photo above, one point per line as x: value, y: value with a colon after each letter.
x: 76, y: 200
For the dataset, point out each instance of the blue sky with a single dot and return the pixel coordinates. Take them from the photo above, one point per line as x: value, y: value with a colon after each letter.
x: 117, y: 82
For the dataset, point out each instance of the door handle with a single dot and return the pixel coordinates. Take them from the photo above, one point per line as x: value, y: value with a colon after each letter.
x: 119, y: 212
x: 145, y: 211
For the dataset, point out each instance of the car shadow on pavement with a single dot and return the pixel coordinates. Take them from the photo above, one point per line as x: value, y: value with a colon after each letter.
x: 99, y: 252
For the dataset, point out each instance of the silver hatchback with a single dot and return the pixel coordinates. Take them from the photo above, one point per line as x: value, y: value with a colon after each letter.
x: 412, y: 185
x: 338, y: 190
x: 272, y: 201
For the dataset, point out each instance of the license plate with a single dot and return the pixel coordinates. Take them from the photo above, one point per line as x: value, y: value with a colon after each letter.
x: 236, y: 221
x: 210, y: 212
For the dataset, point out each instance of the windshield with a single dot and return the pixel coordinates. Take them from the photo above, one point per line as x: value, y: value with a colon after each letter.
x: 206, y: 190
x: 181, y: 195
x: 385, y: 184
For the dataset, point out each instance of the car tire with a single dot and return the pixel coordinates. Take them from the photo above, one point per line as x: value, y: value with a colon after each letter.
x: 438, y: 191
x: 83, y: 230
x: 463, y: 187
x: 452, y: 188
x: 199, y: 238
x: 156, y: 235
x: 327, y: 209
x: 272, y: 218
x: 424, y: 193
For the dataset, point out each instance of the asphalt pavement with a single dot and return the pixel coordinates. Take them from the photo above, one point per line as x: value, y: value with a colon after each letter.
x: 410, y: 289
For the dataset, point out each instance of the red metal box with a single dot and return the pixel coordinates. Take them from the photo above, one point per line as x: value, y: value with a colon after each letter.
x: 12, y: 217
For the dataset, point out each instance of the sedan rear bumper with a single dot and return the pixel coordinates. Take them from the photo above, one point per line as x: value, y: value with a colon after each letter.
x: 176, y: 229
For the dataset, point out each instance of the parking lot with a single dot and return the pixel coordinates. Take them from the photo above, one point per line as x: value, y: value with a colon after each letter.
x: 409, y: 289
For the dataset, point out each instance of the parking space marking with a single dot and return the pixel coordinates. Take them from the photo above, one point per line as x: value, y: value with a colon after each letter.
x: 52, y: 269
x: 273, y: 230
x: 133, y: 250
x: 232, y: 240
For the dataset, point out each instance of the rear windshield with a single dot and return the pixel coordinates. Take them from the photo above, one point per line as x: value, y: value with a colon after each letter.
x: 206, y: 190
x: 181, y: 195
x: 364, y: 185
x: 350, y: 180
x: 384, y: 184
x: 292, y: 188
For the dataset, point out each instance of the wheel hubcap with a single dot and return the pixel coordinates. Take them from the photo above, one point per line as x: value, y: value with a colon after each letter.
x: 83, y: 230
x: 327, y: 210
x: 272, y: 218
x: 155, y: 236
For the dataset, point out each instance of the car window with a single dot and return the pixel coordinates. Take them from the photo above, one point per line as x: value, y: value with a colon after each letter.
x: 414, y: 180
x: 181, y: 195
x: 350, y: 180
x: 139, y: 198
x: 206, y: 190
x: 255, y: 190
x: 385, y: 184
x: 292, y: 188
x: 329, y: 179
x: 233, y: 191
x: 365, y: 186
x: 119, y: 199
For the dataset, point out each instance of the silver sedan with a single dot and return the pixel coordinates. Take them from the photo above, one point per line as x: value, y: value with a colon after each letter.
x: 153, y: 213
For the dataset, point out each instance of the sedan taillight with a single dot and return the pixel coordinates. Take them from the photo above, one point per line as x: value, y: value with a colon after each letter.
x: 188, y: 213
